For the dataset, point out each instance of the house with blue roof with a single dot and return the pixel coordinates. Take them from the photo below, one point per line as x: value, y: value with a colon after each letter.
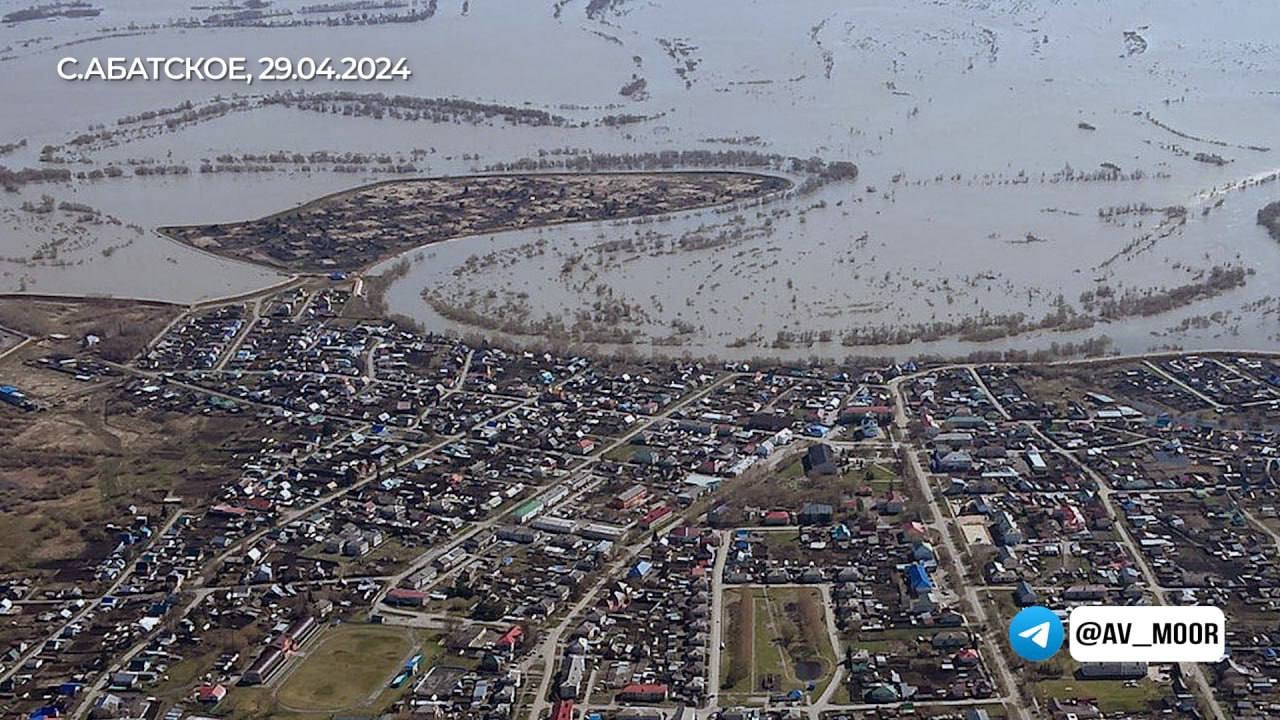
x: 640, y: 569
x: 918, y: 579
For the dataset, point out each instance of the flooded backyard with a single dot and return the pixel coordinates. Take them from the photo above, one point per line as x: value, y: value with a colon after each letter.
x: 1030, y: 174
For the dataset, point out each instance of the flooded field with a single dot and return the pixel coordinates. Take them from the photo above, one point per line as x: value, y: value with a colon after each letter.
x: 1030, y: 173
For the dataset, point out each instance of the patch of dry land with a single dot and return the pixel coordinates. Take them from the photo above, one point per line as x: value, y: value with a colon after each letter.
x: 352, y: 229
x: 79, y: 463
x: 87, y: 450
x: 121, y: 326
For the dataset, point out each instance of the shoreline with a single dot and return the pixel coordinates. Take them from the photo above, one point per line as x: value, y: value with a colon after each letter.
x: 932, y: 359
x: 166, y: 231
x: 1029, y: 346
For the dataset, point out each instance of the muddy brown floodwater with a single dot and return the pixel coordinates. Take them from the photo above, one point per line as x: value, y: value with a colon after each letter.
x: 1030, y: 173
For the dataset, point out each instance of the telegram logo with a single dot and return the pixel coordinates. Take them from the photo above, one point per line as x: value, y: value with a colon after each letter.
x: 1036, y: 634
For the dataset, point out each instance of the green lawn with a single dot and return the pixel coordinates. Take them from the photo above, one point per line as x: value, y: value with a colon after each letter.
x: 320, y: 656
x: 767, y: 656
x: 781, y: 539
x: 888, y: 642
x: 777, y: 639
x: 873, y: 646
x: 391, y: 556
x: 182, y: 676
x: 880, y: 478
x: 622, y: 453
x: 1111, y: 695
x: 792, y: 471
x: 736, y: 659
x: 348, y: 667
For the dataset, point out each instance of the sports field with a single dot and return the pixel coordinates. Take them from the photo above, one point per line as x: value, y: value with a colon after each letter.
x: 348, y: 668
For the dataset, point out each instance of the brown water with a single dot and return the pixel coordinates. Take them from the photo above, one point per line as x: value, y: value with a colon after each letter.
x: 959, y: 115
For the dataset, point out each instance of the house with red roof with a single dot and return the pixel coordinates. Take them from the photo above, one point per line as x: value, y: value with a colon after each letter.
x: 512, y: 637
x: 211, y: 694
x: 643, y: 692
x: 562, y: 710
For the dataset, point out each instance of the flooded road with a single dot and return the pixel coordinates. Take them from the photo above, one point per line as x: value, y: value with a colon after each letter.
x: 1019, y: 162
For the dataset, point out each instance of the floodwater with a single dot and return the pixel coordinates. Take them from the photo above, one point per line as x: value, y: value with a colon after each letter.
x: 808, y: 670
x: 979, y: 191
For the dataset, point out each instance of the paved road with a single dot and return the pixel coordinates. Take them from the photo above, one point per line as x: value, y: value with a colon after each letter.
x: 94, y: 604
x: 994, y: 653
x: 977, y: 378
x: 1161, y: 372
x: 1258, y: 524
x: 823, y: 704
x: 250, y: 323
x: 428, y: 557
x: 16, y: 347
x: 717, y: 616
x: 548, y: 649
x: 1193, y: 671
